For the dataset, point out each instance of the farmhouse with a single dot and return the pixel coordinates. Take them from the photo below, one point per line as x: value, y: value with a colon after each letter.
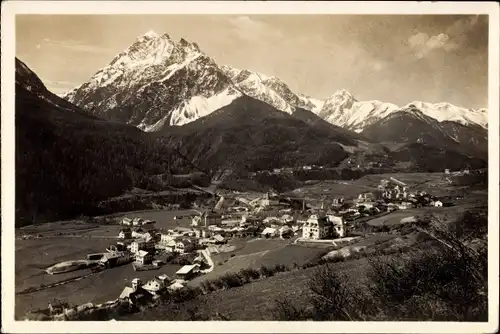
x: 438, y: 204
x: 135, y: 294
x: 111, y: 260
x: 143, y: 257
x: 366, y: 197
x: 188, y: 272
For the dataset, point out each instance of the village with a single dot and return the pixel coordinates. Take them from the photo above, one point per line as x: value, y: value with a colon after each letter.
x: 144, y: 246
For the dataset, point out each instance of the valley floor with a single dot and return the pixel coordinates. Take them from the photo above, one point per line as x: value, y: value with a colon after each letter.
x: 72, y: 240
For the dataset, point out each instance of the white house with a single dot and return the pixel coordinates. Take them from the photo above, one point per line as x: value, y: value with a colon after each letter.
x: 114, y: 259
x: 141, y: 244
x: 438, y: 203
x: 143, y: 257
x: 184, y: 246
x: 338, y: 225
x: 156, y: 284
x: 269, y: 232
x: 126, y: 221
x: 188, y: 271
x: 137, y: 245
x: 316, y: 227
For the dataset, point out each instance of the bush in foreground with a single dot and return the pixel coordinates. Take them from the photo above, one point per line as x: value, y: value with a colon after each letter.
x: 446, y: 282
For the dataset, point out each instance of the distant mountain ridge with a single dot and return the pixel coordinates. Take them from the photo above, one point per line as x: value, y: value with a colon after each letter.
x: 158, y: 82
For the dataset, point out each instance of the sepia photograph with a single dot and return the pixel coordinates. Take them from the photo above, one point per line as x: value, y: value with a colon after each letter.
x: 309, y: 166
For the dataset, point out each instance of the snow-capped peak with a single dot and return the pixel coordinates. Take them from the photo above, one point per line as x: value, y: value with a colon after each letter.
x: 260, y: 87
x: 156, y: 81
x: 444, y: 111
x: 150, y: 34
x: 344, y: 110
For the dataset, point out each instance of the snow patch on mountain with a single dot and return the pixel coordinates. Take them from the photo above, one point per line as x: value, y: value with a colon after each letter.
x: 310, y: 103
x: 447, y: 112
x: 200, y: 106
x: 254, y: 85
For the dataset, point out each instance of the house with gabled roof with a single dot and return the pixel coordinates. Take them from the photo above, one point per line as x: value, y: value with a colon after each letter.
x: 155, y: 285
x: 143, y: 257
x: 188, y: 272
x: 184, y: 246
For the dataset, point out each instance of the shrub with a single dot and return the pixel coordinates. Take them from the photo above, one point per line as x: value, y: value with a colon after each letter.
x: 249, y: 274
x: 445, y: 280
x: 185, y: 294
x: 266, y: 272
x: 232, y: 280
x: 286, y: 310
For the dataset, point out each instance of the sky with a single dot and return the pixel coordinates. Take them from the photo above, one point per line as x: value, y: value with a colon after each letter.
x: 391, y: 58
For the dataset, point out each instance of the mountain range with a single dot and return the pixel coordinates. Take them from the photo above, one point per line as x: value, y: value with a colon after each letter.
x: 159, y: 82
x: 163, y: 107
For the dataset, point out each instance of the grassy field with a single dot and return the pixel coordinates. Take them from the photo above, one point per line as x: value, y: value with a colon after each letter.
x: 255, y: 253
x: 434, y: 183
x: 73, y: 240
x: 261, y: 294
x: 446, y: 213
x: 164, y: 218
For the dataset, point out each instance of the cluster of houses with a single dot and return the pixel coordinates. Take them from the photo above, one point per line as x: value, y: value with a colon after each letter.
x: 143, y: 293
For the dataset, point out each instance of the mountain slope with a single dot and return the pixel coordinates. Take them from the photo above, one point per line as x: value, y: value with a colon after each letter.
x: 67, y: 161
x: 156, y: 82
x: 412, y: 126
x: 252, y: 135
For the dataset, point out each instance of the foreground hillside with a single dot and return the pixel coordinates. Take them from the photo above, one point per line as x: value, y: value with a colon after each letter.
x: 67, y: 161
x: 441, y: 275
